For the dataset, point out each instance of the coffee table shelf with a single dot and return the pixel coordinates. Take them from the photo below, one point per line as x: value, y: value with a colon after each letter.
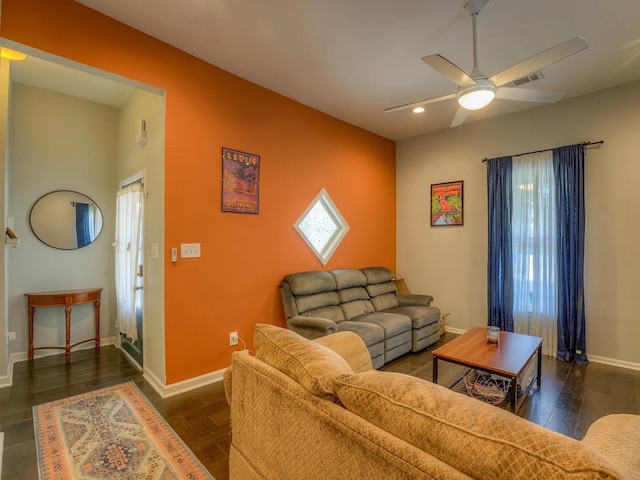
x: 522, y: 392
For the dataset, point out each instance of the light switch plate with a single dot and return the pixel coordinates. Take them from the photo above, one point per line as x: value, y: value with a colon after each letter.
x: 189, y: 250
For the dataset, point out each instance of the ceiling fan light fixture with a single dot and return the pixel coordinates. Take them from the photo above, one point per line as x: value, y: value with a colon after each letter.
x: 418, y: 110
x: 477, y: 96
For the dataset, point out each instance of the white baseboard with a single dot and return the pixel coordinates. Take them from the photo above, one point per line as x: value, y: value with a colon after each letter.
x: 458, y: 331
x: 613, y: 362
x: 7, y: 380
x: 1, y: 449
x: 184, y: 386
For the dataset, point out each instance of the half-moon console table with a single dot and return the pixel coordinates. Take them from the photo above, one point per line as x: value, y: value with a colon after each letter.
x: 66, y: 300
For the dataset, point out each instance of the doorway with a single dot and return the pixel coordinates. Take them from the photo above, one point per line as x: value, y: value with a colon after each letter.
x: 129, y: 260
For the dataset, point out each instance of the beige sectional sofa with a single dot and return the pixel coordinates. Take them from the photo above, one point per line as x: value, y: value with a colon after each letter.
x: 307, y: 410
x: 365, y: 302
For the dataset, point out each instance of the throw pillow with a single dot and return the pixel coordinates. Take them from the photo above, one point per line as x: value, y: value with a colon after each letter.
x: 311, y: 364
x: 350, y: 347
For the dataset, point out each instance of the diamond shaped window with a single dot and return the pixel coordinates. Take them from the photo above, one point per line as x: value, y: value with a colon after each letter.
x: 322, y: 226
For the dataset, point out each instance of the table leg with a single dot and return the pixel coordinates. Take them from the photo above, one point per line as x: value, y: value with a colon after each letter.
x: 67, y: 333
x: 539, y: 379
x: 30, y: 310
x: 435, y: 370
x: 513, y: 393
x: 97, y: 314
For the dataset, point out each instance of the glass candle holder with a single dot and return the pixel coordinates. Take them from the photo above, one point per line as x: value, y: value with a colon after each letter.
x: 493, y: 336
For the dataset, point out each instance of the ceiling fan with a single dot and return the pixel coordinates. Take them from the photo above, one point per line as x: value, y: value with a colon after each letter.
x: 476, y: 90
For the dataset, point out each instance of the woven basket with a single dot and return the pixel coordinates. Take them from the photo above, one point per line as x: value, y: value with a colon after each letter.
x: 486, y: 387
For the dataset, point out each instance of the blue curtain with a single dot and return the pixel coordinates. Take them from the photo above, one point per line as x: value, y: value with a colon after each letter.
x: 83, y: 225
x: 568, y: 163
x: 500, y: 267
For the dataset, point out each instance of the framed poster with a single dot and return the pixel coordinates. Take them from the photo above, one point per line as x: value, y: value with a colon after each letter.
x: 446, y: 204
x: 240, y: 181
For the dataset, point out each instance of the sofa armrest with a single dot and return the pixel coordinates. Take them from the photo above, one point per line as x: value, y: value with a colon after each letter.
x: 409, y: 300
x: 312, y: 327
x: 617, y: 438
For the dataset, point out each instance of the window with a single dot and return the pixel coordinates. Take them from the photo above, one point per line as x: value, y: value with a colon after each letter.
x: 534, y: 247
x: 322, y: 226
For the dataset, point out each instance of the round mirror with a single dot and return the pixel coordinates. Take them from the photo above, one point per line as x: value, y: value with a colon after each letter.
x: 66, y: 220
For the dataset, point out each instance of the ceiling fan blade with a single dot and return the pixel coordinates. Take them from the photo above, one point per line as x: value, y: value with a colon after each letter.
x: 420, y: 103
x: 449, y: 70
x: 539, y: 61
x: 528, y: 95
x: 460, y: 117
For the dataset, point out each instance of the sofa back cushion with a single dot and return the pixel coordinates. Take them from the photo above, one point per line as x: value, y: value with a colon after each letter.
x: 304, y: 303
x: 311, y: 364
x: 381, y: 288
x: 350, y: 347
x: 383, y: 295
x: 355, y: 301
x: 357, y: 308
x: 480, y: 440
x: 348, y: 277
x: 306, y: 283
x: 377, y: 275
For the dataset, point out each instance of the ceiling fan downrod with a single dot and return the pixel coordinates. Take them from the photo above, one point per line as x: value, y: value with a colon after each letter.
x: 474, y: 7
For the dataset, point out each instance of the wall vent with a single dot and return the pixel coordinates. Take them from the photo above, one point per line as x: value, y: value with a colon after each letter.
x: 532, y: 77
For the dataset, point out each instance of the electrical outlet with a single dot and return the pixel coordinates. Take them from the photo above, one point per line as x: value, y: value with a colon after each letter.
x: 233, y: 338
x: 11, y: 336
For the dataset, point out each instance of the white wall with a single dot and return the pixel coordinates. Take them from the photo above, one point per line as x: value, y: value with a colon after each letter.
x: 132, y: 159
x: 450, y: 262
x: 59, y: 142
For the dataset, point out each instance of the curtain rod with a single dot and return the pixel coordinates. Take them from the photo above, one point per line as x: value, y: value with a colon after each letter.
x: 586, y: 144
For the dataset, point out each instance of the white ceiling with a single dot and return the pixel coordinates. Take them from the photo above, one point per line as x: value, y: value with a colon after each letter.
x: 353, y: 58
x: 69, y: 80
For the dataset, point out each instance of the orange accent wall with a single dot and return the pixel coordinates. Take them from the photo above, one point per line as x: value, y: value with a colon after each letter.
x: 235, y: 283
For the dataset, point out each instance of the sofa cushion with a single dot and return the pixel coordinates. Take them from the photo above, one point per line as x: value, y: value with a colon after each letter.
x: 317, y: 300
x: 306, y: 283
x: 480, y: 440
x: 353, y: 293
x: 332, y: 312
x: 348, y: 277
x: 384, y: 302
x: 420, y: 316
x: 311, y: 364
x: 377, y: 275
x: 392, y: 323
x: 357, y: 308
x: 381, y: 288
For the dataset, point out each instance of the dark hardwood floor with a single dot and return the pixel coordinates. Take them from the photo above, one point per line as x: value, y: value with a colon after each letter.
x: 570, y: 399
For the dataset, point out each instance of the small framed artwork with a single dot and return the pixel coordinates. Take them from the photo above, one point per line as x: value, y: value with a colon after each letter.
x: 446, y: 204
x: 240, y: 181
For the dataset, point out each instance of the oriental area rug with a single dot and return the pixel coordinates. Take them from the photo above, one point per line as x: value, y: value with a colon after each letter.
x: 111, y: 433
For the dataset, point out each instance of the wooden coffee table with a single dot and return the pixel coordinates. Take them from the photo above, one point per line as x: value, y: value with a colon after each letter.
x: 508, y: 360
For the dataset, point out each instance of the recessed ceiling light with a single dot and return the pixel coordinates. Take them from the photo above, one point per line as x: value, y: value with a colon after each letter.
x: 418, y: 110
